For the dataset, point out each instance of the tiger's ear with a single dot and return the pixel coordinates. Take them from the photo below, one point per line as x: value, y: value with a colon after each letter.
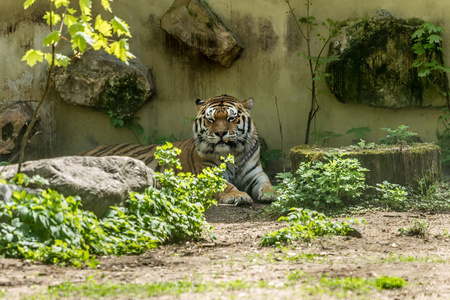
x: 248, y: 104
x: 199, y: 103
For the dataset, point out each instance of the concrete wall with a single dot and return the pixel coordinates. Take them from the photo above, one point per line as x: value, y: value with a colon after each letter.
x: 268, y: 67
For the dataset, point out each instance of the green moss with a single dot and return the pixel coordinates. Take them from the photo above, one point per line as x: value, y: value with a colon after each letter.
x: 122, y: 96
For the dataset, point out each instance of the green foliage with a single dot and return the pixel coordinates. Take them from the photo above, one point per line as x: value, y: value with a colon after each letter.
x: 306, y: 26
x: 270, y: 155
x: 52, y: 228
x: 362, y: 145
x: 444, y: 137
x: 428, y: 48
x: 359, y: 132
x: 158, y: 139
x: 327, y: 184
x: 320, y: 137
x: 427, y: 44
x: 417, y: 228
x: 82, y: 30
x: 305, y: 225
x: 391, y: 195
x: 389, y: 282
x: 398, y: 135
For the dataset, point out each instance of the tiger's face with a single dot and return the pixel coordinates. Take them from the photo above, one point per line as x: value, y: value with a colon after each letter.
x: 223, y: 125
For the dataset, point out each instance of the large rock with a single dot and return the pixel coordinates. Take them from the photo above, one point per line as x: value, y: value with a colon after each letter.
x: 105, y: 83
x: 101, y: 182
x: 376, y: 65
x: 194, y: 23
x: 13, y: 123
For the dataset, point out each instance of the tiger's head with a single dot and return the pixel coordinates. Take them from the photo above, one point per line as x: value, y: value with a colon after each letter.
x: 223, y: 125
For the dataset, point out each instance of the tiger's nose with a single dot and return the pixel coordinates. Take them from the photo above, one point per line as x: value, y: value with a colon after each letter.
x: 221, y: 133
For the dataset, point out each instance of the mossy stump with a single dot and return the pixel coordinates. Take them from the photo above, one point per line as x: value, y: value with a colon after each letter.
x: 406, y: 165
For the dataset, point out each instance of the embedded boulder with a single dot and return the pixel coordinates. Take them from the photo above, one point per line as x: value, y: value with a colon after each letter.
x: 376, y: 65
x: 195, y: 24
x: 103, y: 82
x: 14, y: 119
x: 100, y: 182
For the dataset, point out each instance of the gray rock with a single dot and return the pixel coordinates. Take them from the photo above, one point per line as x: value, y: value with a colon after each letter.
x: 376, y: 65
x: 103, y: 82
x: 194, y: 23
x: 13, y: 120
x: 101, y: 182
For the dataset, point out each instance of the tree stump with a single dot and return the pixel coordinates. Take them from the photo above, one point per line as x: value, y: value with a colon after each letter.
x: 406, y: 165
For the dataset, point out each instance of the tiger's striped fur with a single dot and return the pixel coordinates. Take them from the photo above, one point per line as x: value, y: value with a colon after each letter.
x: 223, y: 126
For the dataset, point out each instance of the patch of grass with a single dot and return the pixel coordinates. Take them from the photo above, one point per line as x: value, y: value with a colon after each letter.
x: 393, y: 257
x: 389, y: 282
x: 284, y: 254
x: 420, y: 229
x: 344, y: 287
x: 95, y: 290
x: 295, y: 275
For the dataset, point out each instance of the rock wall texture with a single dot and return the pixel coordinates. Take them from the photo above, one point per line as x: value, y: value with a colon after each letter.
x: 375, y: 65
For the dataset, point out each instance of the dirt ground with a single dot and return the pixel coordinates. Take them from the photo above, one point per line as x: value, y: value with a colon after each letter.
x: 423, y: 262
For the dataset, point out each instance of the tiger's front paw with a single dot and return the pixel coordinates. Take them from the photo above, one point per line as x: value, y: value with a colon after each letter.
x: 267, y: 195
x: 236, y: 198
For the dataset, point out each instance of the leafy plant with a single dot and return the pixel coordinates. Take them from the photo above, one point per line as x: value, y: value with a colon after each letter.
x: 305, y: 225
x: 315, y: 62
x: 398, y: 135
x: 362, y: 145
x: 429, y: 50
x: 444, y: 138
x: 270, y: 155
x: 129, y: 122
x: 391, y: 195
x: 418, y: 228
x: 320, y: 137
x: 359, y: 132
x: 50, y: 227
x: 321, y: 184
x: 83, y: 31
x: 158, y: 139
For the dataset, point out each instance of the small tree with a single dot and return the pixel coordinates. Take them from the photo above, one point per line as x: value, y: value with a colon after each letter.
x: 306, y: 26
x: 83, y: 32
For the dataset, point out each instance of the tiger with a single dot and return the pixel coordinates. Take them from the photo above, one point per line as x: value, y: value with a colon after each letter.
x: 223, y: 126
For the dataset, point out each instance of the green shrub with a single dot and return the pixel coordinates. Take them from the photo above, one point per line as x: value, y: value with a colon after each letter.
x: 398, y: 135
x: 305, y: 225
x: 52, y: 228
x: 391, y: 195
x: 321, y: 184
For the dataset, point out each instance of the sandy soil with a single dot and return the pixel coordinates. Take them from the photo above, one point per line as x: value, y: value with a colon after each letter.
x: 423, y: 262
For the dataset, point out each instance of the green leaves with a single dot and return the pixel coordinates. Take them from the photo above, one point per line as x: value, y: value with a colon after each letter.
x: 333, y: 182
x: 85, y: 7
x: 306, y: 225
x: 33, y: 56
x: 83, y: 30
x: 28, y: 3
x: 52, y: 228
x: 52, y: 38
